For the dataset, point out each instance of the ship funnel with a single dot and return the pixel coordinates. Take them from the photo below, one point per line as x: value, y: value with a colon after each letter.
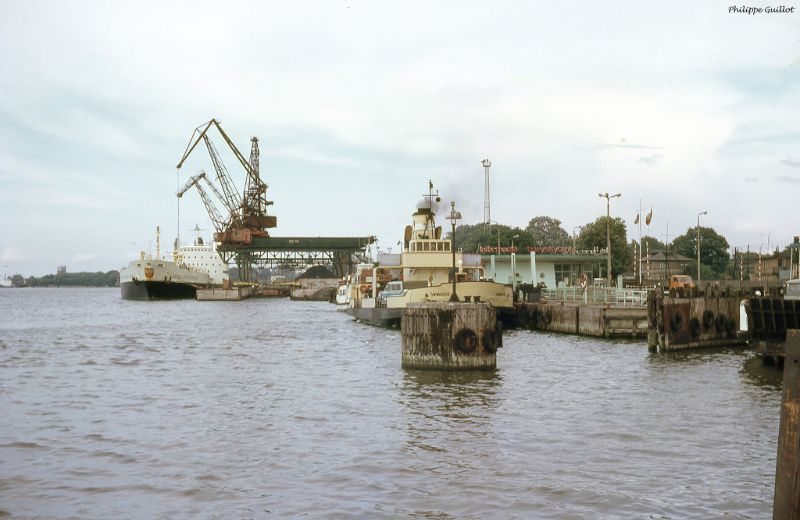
x: 432, y: 204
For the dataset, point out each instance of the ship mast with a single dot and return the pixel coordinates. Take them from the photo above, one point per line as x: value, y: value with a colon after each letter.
x: 429, y: 218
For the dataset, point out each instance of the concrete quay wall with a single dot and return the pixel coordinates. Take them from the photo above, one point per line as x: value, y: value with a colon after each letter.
x: 597, y: 320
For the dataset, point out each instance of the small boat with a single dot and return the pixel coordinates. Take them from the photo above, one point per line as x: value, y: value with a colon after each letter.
x: 342, y: 293
x: 422, y: 272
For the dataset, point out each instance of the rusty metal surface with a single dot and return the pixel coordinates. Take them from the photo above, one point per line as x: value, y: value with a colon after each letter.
x: 705, y: 320
x: 786, y: 505
x: 769, y: 318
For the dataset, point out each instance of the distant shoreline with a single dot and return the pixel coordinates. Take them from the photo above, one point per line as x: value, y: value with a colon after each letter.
x: 85, y: 279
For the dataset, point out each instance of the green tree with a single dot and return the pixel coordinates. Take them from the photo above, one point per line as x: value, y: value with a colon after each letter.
x: 593, y: 235
x: 98, y: 279
x: 652, y: 244
x: 470, y: 237
x: 547, y: 231
x: 713, y: 248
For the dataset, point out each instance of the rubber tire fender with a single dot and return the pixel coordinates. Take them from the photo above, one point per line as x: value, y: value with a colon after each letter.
x: 730, y: 327
x: 489, y: 340
x: 676, y: 322
x: 465, y: 340
x: 720, y: 323
x: 708, y: 319
x: 694, y: 327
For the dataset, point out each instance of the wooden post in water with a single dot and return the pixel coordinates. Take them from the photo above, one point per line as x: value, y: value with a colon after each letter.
x: 786, y: 505
x: 450, y: 336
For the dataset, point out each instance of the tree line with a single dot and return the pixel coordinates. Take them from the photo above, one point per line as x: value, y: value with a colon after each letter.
x: 98, y: 279
x: 543, y: 231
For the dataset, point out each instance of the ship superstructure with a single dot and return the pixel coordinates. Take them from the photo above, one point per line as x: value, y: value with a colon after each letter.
x: 422, y: 272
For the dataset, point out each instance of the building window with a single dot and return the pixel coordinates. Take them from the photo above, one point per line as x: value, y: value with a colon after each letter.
x: 569, y: 273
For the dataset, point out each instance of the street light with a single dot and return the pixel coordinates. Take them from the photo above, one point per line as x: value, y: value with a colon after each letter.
x: 453, y: 217
x: 698, y: 243
x: 575, y: 238
x: 513, y: 266
x: 608, y: 229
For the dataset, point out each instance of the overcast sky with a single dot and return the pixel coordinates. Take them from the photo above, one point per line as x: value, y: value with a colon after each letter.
x: 684, y: 106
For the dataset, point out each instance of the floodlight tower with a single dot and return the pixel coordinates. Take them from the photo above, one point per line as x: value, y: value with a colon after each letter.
x: 486, y: 199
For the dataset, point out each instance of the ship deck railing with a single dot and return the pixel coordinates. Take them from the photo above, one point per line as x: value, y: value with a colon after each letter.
x: 605, y: 295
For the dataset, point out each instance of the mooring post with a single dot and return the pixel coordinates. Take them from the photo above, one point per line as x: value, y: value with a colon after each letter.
x: 786, y: 505
x: 450, y: 336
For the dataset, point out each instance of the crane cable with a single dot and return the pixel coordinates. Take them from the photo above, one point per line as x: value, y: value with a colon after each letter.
x: 177, y: 189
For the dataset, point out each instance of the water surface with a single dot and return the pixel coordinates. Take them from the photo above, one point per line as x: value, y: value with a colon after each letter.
x: 272, y: 408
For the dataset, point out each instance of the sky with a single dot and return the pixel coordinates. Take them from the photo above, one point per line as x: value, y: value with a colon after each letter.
x: 681, y: 107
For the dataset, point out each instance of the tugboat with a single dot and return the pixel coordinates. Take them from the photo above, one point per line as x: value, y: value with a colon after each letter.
x: 380, y: 291
x: 154, y: 278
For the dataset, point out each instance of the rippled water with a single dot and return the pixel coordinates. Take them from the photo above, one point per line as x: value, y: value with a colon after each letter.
x: 271, y: 408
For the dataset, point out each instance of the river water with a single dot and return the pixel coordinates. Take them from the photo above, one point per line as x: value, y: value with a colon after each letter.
x: 273, y: 409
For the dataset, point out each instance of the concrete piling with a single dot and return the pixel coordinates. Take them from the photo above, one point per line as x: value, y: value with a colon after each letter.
x: 786, y: 504
x: 450, y: 336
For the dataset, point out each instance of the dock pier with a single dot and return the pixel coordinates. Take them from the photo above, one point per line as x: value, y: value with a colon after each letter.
x: 590, y: 319
x: 450, y: 336
x: 786, y: 504
x: 231, y: 294
x: 685, y: 320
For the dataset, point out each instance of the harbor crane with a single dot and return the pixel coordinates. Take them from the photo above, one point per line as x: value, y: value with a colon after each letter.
x: 242, y: 235
x: 247, y: 211
x: 220, y: 223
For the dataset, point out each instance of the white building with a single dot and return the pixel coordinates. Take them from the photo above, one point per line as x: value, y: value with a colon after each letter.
x: 551, y: 269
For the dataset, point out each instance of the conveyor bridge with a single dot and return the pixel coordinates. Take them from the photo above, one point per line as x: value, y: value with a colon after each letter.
x: 341, y: 252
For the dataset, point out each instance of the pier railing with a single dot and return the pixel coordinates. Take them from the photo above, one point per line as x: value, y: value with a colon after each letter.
x: 611, y: 295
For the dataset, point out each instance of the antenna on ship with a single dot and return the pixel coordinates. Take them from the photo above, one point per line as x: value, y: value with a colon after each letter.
x: 430, y: 196
x: 198, y: 240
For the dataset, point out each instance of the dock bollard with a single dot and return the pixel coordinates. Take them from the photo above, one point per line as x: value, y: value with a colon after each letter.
x: 450, y: 336
x: 786, y: 504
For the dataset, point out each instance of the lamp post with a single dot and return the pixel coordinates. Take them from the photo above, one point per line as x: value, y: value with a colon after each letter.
x: 453, y: 217
x: 487, y: 217
x: 698, y: 243
x: 513, y: 266
x: 575, y: 238
x: 608, y: 229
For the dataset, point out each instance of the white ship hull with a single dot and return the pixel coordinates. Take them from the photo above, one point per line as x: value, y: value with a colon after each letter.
x: 160, y: 280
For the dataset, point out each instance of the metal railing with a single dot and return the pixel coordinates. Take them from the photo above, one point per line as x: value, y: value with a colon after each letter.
x: 612, y: 295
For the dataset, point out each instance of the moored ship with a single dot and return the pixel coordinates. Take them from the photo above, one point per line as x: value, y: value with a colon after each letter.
x: 155, y: 278
x: 422, y: 272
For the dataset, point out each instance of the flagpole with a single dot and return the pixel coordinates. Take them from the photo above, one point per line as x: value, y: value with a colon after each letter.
x: 640, y: 242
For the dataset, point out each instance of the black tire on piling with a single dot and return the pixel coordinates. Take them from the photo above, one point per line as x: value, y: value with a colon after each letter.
x: 465, y: 340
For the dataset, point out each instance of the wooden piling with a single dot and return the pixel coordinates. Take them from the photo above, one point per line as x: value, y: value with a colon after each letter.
x: 786, y: 505
x: 450, y: 336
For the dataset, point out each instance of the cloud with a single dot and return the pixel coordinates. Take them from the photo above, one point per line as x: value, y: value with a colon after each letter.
x: 604, y: 146
x: 785, y: 179
x: 791, y: 163
x: 12, y: 254
x: 651, y: 159
x: 93, y: 117
x: 84, y: 257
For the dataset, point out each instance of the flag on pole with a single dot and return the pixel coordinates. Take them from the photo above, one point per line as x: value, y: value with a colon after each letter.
x: 649, y: 217
x: 637, y: 219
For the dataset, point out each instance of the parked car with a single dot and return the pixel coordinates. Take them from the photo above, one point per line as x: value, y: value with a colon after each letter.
x: 792, y: 290
x: 681, y: 281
